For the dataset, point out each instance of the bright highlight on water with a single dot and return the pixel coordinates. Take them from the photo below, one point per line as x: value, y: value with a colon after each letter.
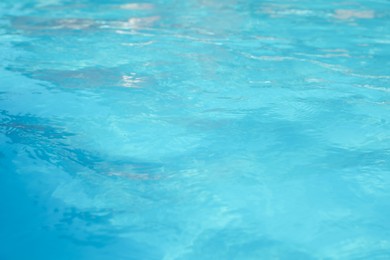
x: 197, y: 129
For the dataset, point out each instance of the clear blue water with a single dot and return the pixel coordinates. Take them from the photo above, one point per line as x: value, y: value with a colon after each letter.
x: 197, y: 129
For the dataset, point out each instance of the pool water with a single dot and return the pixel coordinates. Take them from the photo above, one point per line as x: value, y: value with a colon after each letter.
x: 197, y: 129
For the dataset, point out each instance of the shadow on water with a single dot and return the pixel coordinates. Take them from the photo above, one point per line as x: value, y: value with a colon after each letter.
x: 43, y: 141
x: 31, y: 143
x: 34, y: 25
x: 92, y: 77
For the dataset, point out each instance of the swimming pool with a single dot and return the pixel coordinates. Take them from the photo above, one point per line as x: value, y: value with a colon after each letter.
x: 196, y: 129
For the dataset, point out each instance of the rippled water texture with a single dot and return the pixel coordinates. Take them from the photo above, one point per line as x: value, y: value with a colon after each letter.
x: 197, y: 129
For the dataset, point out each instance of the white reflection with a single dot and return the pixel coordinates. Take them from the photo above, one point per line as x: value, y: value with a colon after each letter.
x: 74, y: 24
x: 137, y: 6
x: 131, y: 81
x: 37, y: 24
x: 342, y: 14
x: 279, y: 10
x: 132, y: 23
x: 91, y: 78
x: 137, y: 43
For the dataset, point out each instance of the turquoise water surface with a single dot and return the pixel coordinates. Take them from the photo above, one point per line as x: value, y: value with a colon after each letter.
x: 194, y: 129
